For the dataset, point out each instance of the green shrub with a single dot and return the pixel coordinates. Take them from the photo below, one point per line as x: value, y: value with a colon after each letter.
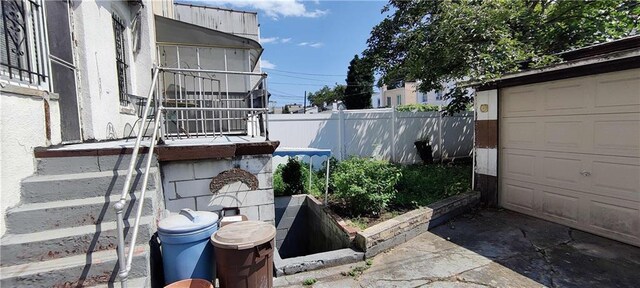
x: 293, y: 178
x: 417, y: 108
x: 366, y: 185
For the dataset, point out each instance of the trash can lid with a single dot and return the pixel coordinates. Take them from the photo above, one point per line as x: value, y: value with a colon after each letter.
x: 187, y: 221
x: 243, y: 235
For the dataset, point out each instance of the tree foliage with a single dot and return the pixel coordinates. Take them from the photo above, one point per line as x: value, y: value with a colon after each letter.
x: 442, y: 41
x: 326, y: 95
x: 359, y: 80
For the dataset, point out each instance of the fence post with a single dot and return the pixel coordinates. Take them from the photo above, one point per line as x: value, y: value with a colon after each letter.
x: 440, y: 147
x: 394, y: 117
x: 341, y: 134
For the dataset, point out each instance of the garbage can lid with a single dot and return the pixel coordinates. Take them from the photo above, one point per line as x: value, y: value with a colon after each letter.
x: 187, y: 221
x: 243, y: 235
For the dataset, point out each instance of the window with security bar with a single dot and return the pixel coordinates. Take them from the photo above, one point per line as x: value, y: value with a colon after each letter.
x: 121, y: 59
x: 22, y: 43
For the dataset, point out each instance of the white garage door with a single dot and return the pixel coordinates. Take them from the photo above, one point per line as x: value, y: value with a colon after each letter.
x: 570, y: 152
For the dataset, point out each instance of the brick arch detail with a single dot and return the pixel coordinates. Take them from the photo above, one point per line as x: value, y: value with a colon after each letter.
x: 231, y: 176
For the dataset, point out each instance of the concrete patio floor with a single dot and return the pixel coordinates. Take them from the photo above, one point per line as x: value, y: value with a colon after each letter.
x: 492, y: 248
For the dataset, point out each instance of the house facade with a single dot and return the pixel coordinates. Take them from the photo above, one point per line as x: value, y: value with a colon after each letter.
x: 75, y: 79
x: 409, y: 94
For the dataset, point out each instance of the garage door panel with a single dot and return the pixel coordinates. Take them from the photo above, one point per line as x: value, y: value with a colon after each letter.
x: 564, y: 206
x: 520, y: 165
x: 614, y: 218
x: 524, y: 101
x: 563, y: 134
x: 519, y: 194
x: 624, y: 85
x: 563, y: 170
x: 615, y: 179
x: 617, y: 136
x: 518, y: 135
x: 568, y: 95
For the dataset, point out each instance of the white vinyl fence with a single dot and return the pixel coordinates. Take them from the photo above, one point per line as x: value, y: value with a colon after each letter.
x: 379, y: 133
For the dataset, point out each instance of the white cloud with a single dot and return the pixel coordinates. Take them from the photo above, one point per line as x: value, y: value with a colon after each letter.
x: 266, y: 64
x: 275, y: 8
x: 285, y: 40
x: 311, y: 44
x: 269, y: 40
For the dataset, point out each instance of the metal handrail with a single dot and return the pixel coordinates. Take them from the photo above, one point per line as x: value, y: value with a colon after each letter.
x: 125, y: 258
x: 125, y: 262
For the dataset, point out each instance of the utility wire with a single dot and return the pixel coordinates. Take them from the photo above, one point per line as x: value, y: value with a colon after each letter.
x: 303, y: 73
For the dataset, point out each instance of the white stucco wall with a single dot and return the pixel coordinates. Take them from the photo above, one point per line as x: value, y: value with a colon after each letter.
x: 22, y: 128
x: 102, y: 115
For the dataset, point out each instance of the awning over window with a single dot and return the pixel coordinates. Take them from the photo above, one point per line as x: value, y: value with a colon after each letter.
x: 174, y: 32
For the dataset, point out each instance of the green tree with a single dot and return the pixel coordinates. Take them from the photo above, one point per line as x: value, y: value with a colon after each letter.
x: 359, y: 80
x: 441, y: 41
x: 326, y: 95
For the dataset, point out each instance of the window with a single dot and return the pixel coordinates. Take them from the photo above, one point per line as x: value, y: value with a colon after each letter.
x: 121, y: 59
x: 438, y: 95
x: 399, y: 100
x: 388, y: 101
x: 22, y: 54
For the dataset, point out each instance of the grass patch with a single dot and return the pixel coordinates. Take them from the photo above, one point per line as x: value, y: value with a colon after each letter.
x: 309, y: 281
x: 358, y: 270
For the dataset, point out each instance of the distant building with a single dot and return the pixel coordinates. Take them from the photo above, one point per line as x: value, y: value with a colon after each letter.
x: 376, y: 100
x: 408, y: 94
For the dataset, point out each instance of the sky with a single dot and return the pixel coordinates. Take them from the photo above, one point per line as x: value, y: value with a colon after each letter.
x: 308, y: 44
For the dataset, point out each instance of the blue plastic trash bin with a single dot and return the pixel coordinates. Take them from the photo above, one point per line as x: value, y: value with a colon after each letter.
x: 186, y: 249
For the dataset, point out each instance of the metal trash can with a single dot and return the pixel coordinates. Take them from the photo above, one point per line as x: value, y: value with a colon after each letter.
x: 244, y: 254
x: 186, y: 250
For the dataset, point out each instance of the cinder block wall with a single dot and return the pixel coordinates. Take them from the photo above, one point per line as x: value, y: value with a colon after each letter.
x: 186, y: 185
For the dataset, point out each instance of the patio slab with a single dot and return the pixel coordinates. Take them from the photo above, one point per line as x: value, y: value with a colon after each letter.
x: 493, y: 248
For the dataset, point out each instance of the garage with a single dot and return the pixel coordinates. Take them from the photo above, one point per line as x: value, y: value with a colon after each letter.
x: 562, y: 142
x: 570, y: 152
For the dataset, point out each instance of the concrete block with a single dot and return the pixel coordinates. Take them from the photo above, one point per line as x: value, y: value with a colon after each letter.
x: 177, y: 171
x: 169, y: 190
x: 211, y: 168
x: 216, y: 202
x: 251, y: 212
x: 255, y: 164
x: 193, y: 188
x: 177, y: 204
x: 265, y: 181
x: 267, y: 212
x: 286, y: 222
x: 257, y: 197
x: 386, y: 245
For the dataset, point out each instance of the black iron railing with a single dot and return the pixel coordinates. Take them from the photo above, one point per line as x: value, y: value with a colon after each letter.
x: 121, y: 59
x: 21, y: 41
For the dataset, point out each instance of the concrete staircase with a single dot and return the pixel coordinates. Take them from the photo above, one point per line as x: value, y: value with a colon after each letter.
x: 63, y: 233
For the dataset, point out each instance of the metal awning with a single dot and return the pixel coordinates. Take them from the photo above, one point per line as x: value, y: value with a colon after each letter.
x: 174, y: 32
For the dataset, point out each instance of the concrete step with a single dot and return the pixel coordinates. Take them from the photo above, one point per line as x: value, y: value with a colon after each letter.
x: 46, y: 188
x: 46, y: 245
x: 74, y: 271
x: 81, y: 164
x: 33, y: 217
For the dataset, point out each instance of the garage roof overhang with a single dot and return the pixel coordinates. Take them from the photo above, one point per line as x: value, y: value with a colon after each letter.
x: 602, y: 58
x: 174, y: 32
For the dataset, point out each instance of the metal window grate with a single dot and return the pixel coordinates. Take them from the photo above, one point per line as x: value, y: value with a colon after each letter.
x: 21, y: 50
x: 121, y: 60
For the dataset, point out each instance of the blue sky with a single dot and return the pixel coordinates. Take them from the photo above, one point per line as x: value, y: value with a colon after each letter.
x: 309, y: 37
